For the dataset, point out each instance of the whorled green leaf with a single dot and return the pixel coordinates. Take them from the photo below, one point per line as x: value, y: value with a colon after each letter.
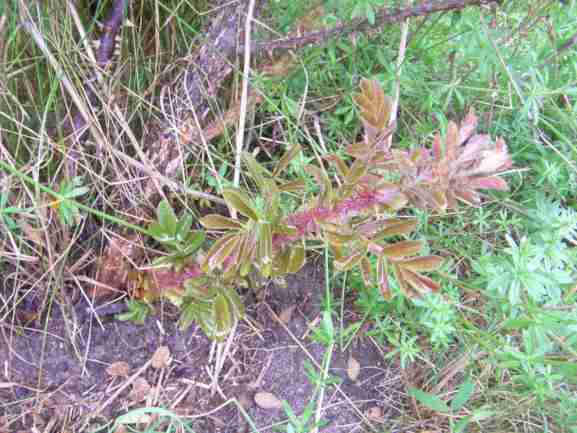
x: 286, y: 159
x: 421, y: 264
x: 219, y: 222
x: 403, y: 249
x: 239, y: 201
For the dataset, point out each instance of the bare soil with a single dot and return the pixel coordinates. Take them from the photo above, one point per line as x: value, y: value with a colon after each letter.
x: 53, y: 370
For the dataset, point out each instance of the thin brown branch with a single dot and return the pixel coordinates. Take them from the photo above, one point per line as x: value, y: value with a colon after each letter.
x: 360, y: 24
x: 111, y: 27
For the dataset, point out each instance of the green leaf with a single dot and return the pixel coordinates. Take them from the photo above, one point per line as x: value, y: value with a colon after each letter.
x: 463, y: 395
x: 256, y: 171
x: 296, y: 186
x: 264, y: 249
x: 166, y: 218
x: 219, y: 222
x: 158, y: 233
x: 297, y: 258
x: 223, y: 316
x: 286, y: 159
x: 239, y: 201
x: 237, y: 307
x: 183, y: 228
x: 431, y: 401
x: 461, y: 426
x: 194, y: 241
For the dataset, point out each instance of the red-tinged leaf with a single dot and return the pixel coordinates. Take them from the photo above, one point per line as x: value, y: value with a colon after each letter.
x: 472, y: 150
x: 492, y: 162
x: 220, y: 250
x: 239, y: 201
x: 358, y: 150
x: 488, y: 183
x: 398, y: 227
x: 293, y: 186
x: 339, y: 164
x: 452, y: 141
x: 388, y: 195
x: 421, y: 264
x: 439, y: 199
x: 349, y: 262
x: 219, y: 222
x: 375, y: 106
x: 321, y: 178
x: 468, y: 126
x: 286, y: 159
x: 297, y: 258
x: 370, y: 180
x: 356, y: 171
x: 398, y: 202
x: 383, y: 278
x: 437, y: 147
x: 403, y: 249
x: 365, y: 266
x: 420, y: 283
x: 419, y: 155
x: 340, y: 239
x: 468, y: 197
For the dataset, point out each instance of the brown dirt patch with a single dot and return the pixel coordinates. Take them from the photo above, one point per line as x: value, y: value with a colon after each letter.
x: 54, y: 369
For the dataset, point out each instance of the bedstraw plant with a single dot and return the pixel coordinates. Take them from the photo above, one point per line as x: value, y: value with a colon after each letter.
x: 361, y: 212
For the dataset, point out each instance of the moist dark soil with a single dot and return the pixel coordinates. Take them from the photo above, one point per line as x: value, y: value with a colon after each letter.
x: 53, y: 370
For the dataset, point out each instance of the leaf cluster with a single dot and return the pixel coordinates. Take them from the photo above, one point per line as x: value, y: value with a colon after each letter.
x: 360, y: 212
